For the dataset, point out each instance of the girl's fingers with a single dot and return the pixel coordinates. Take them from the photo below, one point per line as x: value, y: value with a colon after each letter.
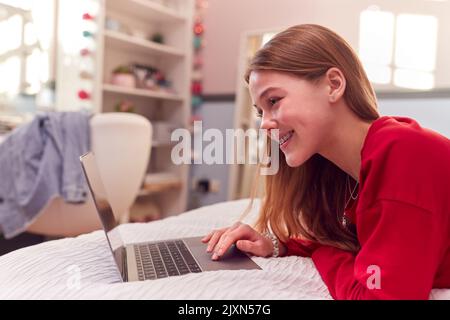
x: 207, y: 237
x: 214, y: 237
x: 213, y: 241
x: 247, y: 246
x: 224, y: 243
x: 229, y: 238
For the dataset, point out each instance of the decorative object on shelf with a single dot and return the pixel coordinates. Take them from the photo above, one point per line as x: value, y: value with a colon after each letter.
x: 157, y: 37
x: 197, y: 42
x: 197, y: 87
x: 149, y: 77
x: 85, y: 52
x: 123, y: 76
x: 145, y: 76
x: 84, y: 95
x: 199, y: 29
x: 88, y: 16
x: 87, y: 61
x: 161, y: 80
x: 88, y: 34
x: 124, y: 106
x: 196, y: 101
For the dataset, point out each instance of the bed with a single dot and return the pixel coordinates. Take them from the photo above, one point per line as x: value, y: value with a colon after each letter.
x: 83, y: 268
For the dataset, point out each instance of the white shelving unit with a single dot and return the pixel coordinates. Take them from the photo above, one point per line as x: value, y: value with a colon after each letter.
x: 114, y: 89
x: 119, y: 41
x: 165, y: 185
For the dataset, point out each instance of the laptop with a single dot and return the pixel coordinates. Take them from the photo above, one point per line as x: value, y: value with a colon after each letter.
x: 156, y: 259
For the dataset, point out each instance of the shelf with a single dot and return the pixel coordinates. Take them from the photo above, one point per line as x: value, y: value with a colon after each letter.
x: 159, y: 182
x: 146, y: 10
x: 140, y: 92
x: 124, y: 42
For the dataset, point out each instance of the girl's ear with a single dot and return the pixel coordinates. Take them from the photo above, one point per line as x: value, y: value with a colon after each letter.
x: 336, y: 83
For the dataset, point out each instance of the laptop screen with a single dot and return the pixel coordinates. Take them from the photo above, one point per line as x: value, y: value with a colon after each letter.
x: 103, y: 206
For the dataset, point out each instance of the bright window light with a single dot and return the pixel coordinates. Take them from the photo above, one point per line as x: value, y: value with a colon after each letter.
x: 24, y: 60
x: 23, y: 4
x: 416, y: 42
x: 415, y: 48
x: 11, y: 31
x: 10, y: 81
x: 30, y: 34
x: 376, y: 36
x: 378, y: 73
x: 36, y: 71
x: 413, y: 79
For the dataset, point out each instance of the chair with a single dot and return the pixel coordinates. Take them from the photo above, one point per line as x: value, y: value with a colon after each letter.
x: 121, y: 143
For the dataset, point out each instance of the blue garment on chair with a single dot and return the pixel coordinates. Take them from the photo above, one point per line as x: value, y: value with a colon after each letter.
x: 38, y: 161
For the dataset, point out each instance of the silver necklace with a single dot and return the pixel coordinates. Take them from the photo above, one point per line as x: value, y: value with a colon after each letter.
x: 352, y: 196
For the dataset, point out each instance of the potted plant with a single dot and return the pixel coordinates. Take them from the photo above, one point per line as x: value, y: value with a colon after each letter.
x: 124, y: 106
x: 123, y: 76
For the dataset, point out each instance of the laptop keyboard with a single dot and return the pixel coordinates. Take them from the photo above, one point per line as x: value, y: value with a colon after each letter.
x: 164, y: 259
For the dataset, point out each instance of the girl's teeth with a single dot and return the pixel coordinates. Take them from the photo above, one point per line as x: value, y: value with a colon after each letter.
x: 286, y: 137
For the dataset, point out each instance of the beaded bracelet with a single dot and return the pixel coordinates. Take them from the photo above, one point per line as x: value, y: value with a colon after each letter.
x: 274, y: 239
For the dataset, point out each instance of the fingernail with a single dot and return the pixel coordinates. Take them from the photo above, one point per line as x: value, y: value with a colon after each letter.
x: 214, y: 256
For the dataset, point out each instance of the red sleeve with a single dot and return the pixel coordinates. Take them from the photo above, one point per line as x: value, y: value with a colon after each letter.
x: 399, y: 243
x: 299, y: 247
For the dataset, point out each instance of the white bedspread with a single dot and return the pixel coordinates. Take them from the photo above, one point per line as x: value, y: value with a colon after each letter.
x: 83, y: 268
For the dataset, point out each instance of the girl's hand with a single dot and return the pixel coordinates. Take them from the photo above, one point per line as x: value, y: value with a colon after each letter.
x: 246, y: 238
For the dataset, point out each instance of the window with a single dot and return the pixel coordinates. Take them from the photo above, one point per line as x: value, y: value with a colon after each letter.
x: 415, y: 51
x: 376, y: 44
x: 398, y: 50
x: 27, y: 31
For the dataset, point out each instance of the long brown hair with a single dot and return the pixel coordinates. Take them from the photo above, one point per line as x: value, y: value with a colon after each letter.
x: 308, y: 201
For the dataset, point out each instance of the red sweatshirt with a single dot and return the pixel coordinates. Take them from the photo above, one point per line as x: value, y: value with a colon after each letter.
x: 402, y: 218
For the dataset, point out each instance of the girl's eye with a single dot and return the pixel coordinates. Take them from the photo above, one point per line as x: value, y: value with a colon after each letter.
x: 273, y: 101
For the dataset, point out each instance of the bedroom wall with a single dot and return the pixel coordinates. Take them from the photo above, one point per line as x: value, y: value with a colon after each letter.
x: 222, y: 36
x: 430, y: 113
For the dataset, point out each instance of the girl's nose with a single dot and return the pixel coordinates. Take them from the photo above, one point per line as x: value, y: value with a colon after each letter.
x: 268, y: 123
x: 270, y: 126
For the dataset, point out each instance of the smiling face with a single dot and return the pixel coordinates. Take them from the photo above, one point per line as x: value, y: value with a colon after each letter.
x: 300, y: 109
